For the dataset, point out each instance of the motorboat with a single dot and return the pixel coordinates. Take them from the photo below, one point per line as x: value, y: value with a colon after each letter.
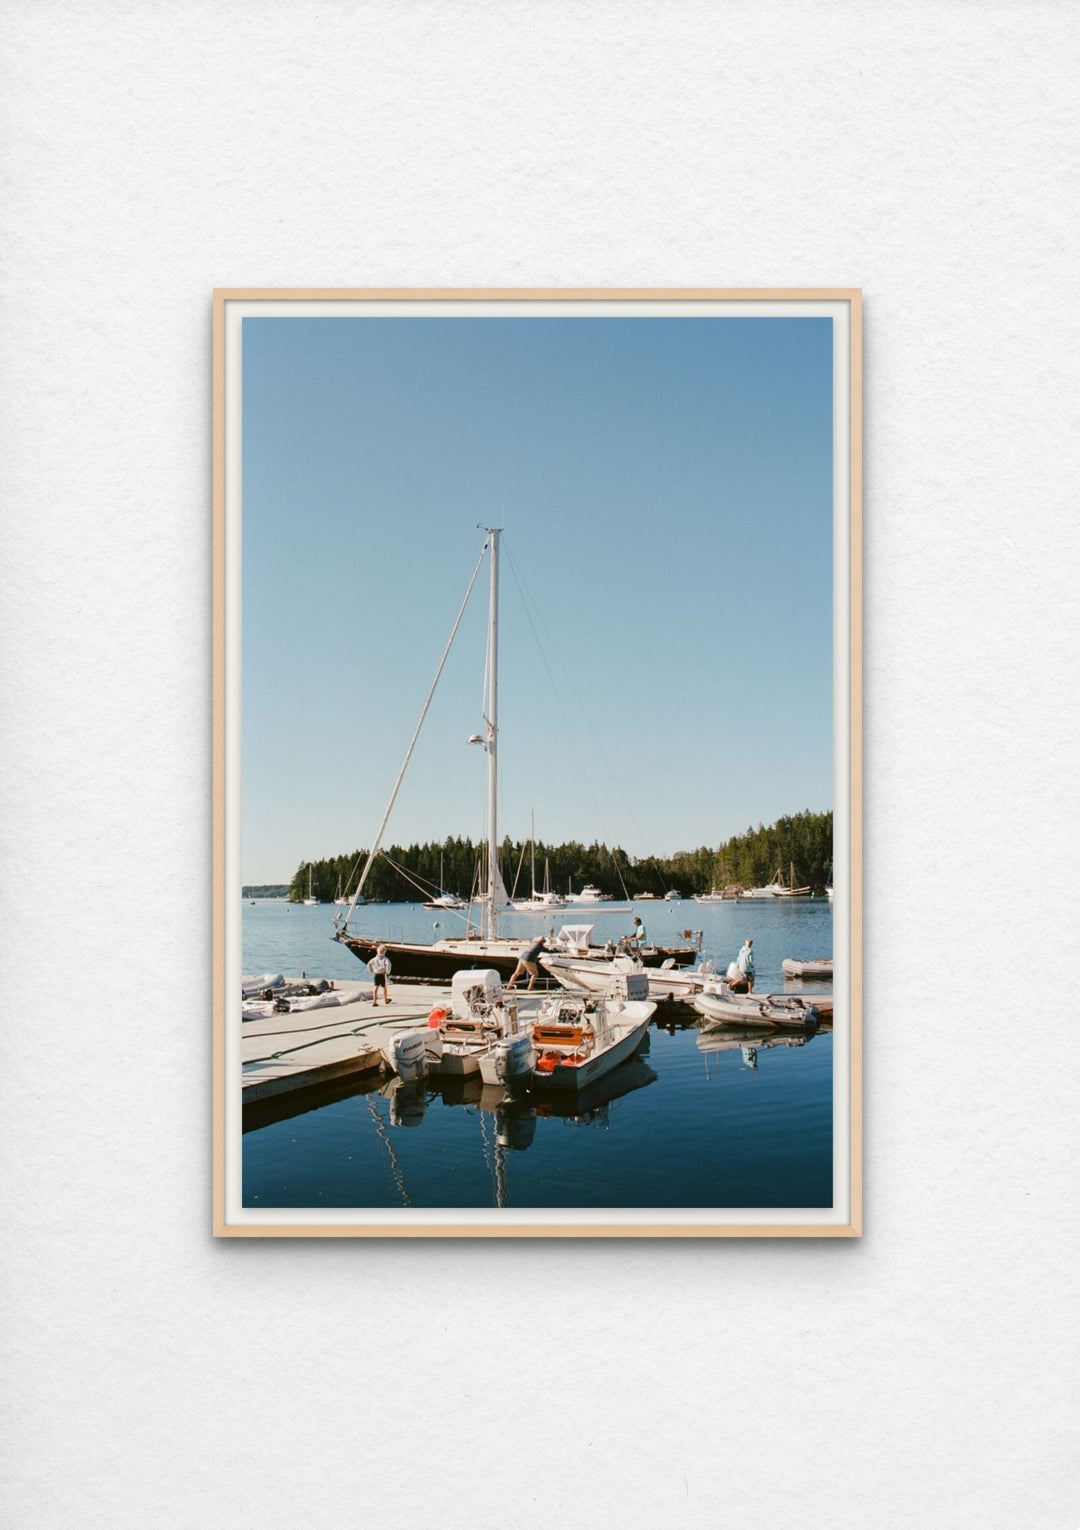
x: 665, y: 983
x: 673, y: 896
x: 723, y: 1007
x: 479, y: 1034
x: 588, y: 894
x: 820, y: 967
x: 576, y: 940
x: 578, y: 1040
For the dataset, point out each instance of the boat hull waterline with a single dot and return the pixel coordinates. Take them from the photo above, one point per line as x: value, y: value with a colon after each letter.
x: 746, y: 1009
x: 415, y: 962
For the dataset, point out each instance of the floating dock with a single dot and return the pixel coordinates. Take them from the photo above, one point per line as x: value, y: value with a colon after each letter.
x: 284, y: 1053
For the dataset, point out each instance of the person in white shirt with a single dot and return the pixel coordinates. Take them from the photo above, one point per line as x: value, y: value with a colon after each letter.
x: 379, y: 967
x: 745, y: 963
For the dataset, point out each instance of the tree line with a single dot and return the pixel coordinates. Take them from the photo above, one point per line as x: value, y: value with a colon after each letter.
x: 410, y: 873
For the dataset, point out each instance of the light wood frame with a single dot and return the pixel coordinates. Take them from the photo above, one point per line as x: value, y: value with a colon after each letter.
x: 853, y: 1227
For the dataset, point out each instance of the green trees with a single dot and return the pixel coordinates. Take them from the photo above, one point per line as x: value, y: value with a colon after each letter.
x: 410, y: 873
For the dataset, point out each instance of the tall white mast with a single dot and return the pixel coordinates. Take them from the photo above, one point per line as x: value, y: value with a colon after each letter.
x: 492, y: 720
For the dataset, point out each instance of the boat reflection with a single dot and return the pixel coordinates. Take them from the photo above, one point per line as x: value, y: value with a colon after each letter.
x: 749, y: 1042
x: 515, y: 1115
x: 591, y: 1106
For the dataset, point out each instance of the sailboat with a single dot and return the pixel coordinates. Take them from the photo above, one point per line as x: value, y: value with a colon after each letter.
x: 481, y: 945
x: 788, y: 889
x: 443, y: 899
x: 310, y: 901
x: 544, y: 899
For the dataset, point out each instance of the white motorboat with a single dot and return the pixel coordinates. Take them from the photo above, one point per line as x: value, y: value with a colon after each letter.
x: 579, y: 1040
x: 723, y: 1007
x: 673, y: 896
x: 478, y: 1034
x: 666, y: 983
x: 816, y: 967
x: 588, y: 894
x: 576, y: 940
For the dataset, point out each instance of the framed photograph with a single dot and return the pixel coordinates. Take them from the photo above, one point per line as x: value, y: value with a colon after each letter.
x: 537, y: 785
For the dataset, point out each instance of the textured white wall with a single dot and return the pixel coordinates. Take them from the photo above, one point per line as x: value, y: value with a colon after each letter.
x: 927, y: 152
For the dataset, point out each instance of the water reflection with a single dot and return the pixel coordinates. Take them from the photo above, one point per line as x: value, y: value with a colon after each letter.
x: 749, y: 1042
x: 515, y: 1114
x: 507, y: 1123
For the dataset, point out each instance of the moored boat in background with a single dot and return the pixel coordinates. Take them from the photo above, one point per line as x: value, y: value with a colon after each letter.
x: 726, y: 1008
x: 815, y: 967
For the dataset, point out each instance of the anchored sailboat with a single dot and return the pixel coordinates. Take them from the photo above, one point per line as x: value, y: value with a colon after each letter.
x: 482, y: 945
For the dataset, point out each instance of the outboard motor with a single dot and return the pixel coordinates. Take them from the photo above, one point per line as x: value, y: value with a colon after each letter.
x: 512, y: 1059
x: 406, y: 1053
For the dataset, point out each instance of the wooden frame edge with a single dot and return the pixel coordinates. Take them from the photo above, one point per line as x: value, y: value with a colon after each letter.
x: 855, y: 721
x: 217, y: 943
x: 556, y: 1230
x: 851, y: 295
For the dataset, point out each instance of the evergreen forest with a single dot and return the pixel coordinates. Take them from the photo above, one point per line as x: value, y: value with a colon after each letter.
x: 801, y: 842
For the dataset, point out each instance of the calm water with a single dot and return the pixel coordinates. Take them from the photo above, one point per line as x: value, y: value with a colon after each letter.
x: 741, y: 1126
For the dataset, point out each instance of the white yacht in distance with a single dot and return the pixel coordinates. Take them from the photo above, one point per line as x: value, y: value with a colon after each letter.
x: 588, y: 894
x: 673, y: 896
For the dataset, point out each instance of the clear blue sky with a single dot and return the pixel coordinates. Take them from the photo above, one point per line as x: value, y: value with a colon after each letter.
x: 665, y: 489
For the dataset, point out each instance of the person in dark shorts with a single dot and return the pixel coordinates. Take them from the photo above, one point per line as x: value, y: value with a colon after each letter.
x: 527, y: 962
x: 379, y: 967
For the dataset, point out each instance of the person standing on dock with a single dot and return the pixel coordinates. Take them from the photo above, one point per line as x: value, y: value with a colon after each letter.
x: 637, y: 936
x: 745, y: 963
x: 379, y: 967
x: 527, y: 961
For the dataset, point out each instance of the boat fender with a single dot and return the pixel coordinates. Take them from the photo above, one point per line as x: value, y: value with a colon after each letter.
x: 436, y: 1018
